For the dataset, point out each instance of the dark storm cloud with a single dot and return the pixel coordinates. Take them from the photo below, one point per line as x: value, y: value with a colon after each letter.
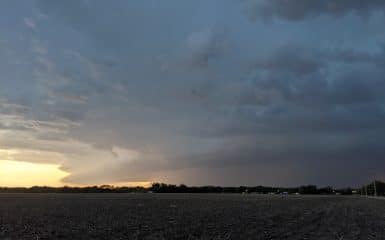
x: 206, y: 45
x: 296, y: 10
x: 292, y: 59
x: 140, y: 90
x: 304, y: 76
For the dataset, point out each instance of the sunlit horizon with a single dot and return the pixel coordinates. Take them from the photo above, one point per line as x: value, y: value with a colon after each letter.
x: 27, y: 174
x: 15, y: 173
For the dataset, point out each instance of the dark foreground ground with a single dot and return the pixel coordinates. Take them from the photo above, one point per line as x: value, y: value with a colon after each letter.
x: 183, y: 216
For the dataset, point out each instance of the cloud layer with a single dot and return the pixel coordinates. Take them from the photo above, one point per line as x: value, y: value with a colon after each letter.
x: 298, y: 10
x: 194, y: 92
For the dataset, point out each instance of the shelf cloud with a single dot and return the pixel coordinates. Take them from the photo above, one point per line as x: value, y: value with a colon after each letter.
x: 194, y: 92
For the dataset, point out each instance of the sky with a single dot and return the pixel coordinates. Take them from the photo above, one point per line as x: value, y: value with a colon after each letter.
x: 203, y: 92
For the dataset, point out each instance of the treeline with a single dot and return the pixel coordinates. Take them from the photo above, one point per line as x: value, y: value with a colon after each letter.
x: 375, y: 188
x: 308, y: 189
x: 170, y: 188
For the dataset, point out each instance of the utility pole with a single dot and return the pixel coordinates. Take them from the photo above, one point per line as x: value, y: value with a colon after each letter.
x: 375, y: 188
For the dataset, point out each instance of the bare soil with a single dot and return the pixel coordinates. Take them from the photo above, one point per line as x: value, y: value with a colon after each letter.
x: 189, y: 216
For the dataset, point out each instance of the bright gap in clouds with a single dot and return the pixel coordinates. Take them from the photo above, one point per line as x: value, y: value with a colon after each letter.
x: 26, y: 174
